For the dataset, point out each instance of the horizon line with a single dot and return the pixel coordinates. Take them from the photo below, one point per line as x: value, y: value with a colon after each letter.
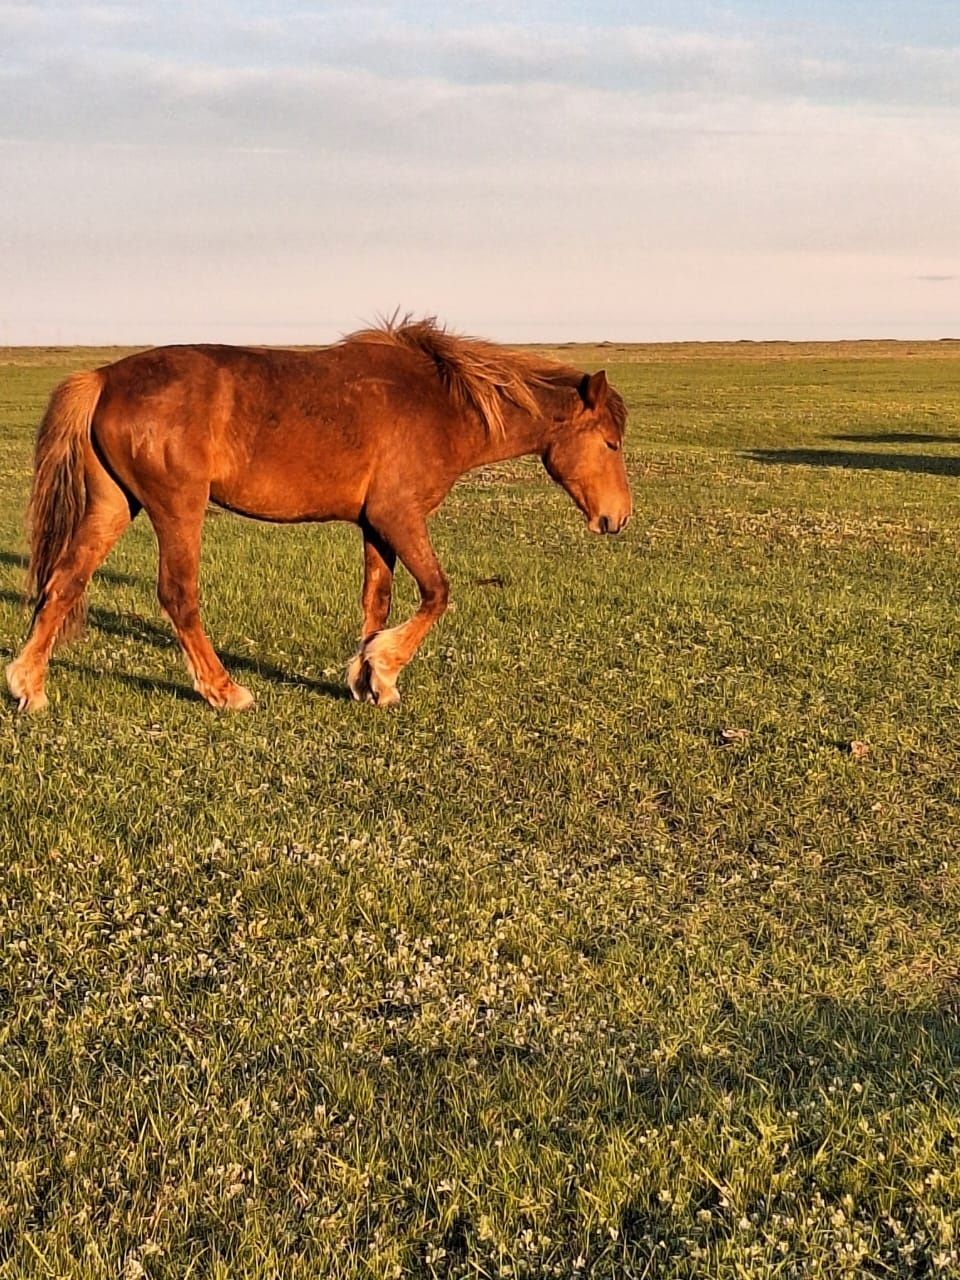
x: 598, y: 343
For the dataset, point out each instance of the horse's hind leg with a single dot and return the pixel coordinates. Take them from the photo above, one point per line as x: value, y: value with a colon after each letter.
x: 178, y: 538
x: 379, y: 559
x: 108, y: 512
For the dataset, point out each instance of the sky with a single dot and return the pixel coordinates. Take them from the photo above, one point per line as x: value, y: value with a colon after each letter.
x: 546, y: 171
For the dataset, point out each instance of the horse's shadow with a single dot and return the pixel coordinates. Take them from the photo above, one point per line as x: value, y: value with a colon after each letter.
x: 898, y: 437
x: 917, y: 463
x: 933, y: 464
x: 145, y: 630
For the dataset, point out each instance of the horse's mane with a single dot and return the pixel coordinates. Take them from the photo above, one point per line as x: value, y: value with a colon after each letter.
x: 477, y: 374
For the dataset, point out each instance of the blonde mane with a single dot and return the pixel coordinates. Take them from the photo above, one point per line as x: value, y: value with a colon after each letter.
x: 477, y: 374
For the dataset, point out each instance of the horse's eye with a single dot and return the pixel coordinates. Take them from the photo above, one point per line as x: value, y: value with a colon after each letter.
x: 612, y: 444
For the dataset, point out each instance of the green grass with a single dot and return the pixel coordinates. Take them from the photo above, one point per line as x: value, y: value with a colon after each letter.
x: 543, y: 974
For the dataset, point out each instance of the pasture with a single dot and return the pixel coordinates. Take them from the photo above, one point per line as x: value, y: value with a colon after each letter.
x: 628, y: 946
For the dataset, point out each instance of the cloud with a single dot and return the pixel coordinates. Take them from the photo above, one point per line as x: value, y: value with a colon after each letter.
x: 768, y: 63
x: 297, y: 162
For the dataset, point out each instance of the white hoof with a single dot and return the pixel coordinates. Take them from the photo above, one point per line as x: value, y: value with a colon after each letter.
x: 367, y: 685
x: 27, y: 702
x: 234, y: 698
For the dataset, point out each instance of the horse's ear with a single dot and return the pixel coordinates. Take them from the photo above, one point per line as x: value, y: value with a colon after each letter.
x: 593, y: 389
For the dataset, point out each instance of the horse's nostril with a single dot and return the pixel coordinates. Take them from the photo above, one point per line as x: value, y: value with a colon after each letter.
x: 604, y: 524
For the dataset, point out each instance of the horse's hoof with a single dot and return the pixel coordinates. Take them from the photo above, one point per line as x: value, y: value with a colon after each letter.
x: 238, y: 698
x: 233, y: 698
x: 388, y: 696
x: 367, y: 685
x: 27, y: 702
x: 33, y: 706
x: 14, y: 680
x: 379, y: 693
x: 358, y: 678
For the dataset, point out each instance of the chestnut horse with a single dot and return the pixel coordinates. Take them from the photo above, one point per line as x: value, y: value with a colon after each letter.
x: 374, y: 430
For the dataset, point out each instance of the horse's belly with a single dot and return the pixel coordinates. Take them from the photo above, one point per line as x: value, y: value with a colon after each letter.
x: 322, y: 487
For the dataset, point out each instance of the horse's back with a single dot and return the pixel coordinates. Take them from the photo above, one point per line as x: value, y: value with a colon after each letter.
x: 278, y: 434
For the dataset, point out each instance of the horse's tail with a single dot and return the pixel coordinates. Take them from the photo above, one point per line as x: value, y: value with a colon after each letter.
x: 58, y: 497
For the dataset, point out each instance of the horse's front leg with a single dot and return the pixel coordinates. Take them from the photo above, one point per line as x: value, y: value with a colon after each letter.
x: 379, y: 559
x: 384, y: 654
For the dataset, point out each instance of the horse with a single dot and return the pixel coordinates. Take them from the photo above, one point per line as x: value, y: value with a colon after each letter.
x: 373, y: 430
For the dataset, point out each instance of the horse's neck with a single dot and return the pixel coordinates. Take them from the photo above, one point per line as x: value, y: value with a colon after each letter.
x: 522, y: 432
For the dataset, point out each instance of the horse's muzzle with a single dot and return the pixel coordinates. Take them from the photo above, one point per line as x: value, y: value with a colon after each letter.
x: 607, y: 524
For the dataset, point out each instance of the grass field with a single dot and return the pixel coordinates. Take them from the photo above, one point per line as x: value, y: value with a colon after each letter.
x: 608, y: 954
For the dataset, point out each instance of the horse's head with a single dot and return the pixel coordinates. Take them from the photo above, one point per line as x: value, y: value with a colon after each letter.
x: 584, y: 454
